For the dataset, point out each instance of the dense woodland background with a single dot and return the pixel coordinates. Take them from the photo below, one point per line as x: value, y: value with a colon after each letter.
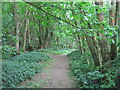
x: 92, y: 28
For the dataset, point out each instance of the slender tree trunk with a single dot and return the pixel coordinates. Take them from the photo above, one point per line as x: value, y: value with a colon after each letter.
x: 117, y: 12
x: 79, y: 39
x: 30, y: 46
x: 51, y: 37
x: 40, y: 33
x: 29, y: 36
x: 85, y: 47
x: 45, y: 39
x: 93, y: 47
x: 96, y: 45
x: 93, y: 51
x: 16, y: 17
x: 112, y: 22
x: 119, y: 27
x: 102, y: 42
x: 95, y: 42
x: 80, y: 44
x: 25, y: 32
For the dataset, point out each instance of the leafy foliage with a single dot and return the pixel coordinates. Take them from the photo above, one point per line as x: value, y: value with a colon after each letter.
x: 15, y: 72
x: 30, y: 57
x: 8, y: 51
x: 90, y: 26
x: 21, y: 67
x: 56, y: 51
x: 89, y: 76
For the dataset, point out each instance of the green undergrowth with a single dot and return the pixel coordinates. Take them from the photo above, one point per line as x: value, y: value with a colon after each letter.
x: 22, y: 67
x: 8, y: 52
x: 33, y: 84
x: 56, y: 51
x: 37, y: 84
x: 30, y: 57
x: 89, y: 76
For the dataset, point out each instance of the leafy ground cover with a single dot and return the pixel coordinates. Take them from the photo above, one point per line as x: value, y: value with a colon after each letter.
x: 89, y: 76
x: 30, y: 57
x: 22, y: 67
x: 8, y: 52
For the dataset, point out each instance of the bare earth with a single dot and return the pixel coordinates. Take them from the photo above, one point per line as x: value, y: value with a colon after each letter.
x: 55, y: 75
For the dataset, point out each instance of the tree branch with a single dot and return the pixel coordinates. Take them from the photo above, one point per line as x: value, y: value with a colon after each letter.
x: 52, y: 15
x: 57, y: 7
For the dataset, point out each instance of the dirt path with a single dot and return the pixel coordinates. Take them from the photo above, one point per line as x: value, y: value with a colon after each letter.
x: 55, y: 75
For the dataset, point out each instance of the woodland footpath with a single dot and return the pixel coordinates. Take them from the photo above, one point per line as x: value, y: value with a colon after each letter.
x: 61, y: 44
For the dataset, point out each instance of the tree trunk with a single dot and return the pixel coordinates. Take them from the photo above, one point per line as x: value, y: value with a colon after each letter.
x: 25, y: 32
x: 40, y: 33
x: 16, y: 26
x: 29, y: 37
x: 93, y: 51
x: 79, y: 39
x: 102, y: 42
x: 45, y: 42
x: 93, y: 47
x: 96, y: 45
x: 112, y: 22
x: 30, y: 47
x: 119, y: 27
x: 80, y: 44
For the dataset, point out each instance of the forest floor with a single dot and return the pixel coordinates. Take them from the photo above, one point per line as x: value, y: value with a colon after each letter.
x: 54, y: 75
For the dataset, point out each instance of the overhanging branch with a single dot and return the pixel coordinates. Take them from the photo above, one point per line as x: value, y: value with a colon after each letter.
x: 52, y: 15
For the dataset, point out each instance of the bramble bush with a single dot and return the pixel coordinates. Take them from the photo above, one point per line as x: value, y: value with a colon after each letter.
x: 21, y: 67
x: 89, y: 76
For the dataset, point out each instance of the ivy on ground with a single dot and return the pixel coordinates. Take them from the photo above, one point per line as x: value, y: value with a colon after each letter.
x: 22, y: 67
